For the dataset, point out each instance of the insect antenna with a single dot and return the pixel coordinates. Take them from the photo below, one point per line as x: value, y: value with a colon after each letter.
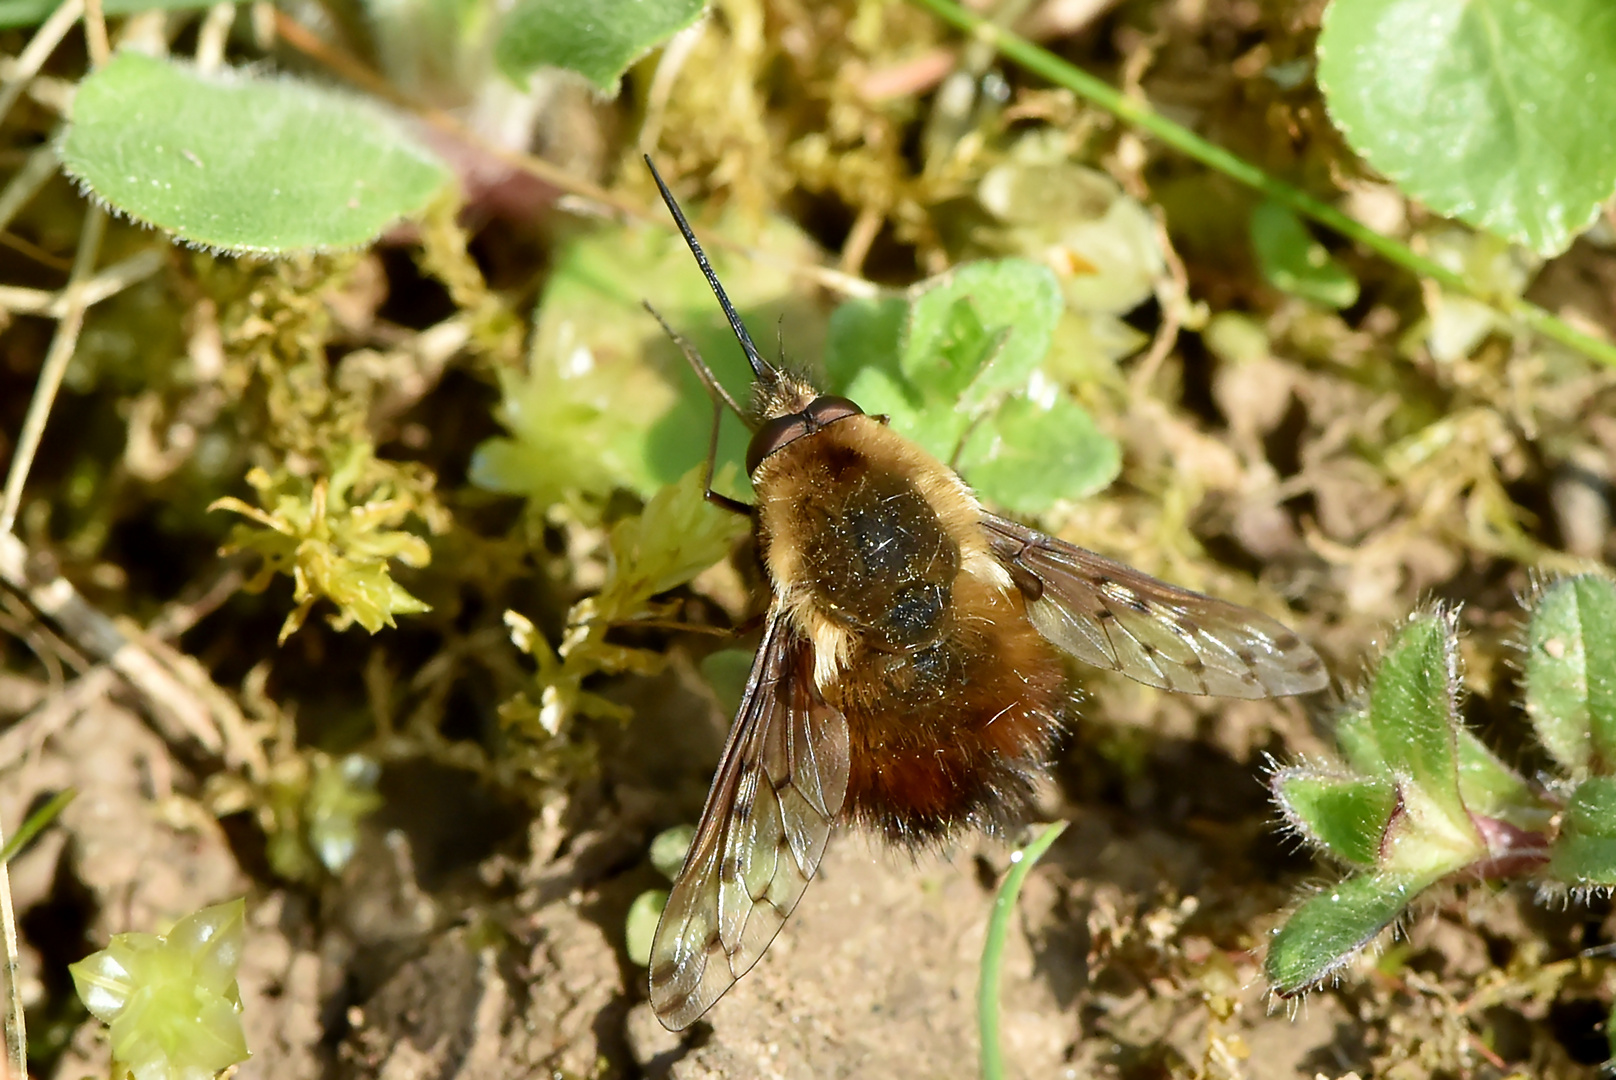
x: 715, y: 388
x: 764, y: 371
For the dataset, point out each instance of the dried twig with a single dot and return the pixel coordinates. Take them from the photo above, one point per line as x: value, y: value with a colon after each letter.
x: 109, y: 282
x: 213, y: 36
x: 176, y: 711
x: 39, y: 167
x: 33, y: 57
x: 55, y: 365
x: 95, y: 33
x: 41, y: 722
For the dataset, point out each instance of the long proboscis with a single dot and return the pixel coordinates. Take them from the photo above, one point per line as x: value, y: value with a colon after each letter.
x: 761, y: 368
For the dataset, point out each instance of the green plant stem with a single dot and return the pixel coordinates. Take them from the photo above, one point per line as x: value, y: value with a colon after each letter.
x: 1139, y: 113
x: 987, y: 991
x: 30, y: 828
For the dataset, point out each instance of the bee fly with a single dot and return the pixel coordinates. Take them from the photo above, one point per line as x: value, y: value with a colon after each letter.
x: 910, y: 676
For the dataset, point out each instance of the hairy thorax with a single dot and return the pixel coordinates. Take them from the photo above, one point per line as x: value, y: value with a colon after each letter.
x: 878, y: 553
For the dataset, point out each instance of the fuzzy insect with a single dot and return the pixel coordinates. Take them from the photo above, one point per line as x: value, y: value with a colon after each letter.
x: 911, y: 674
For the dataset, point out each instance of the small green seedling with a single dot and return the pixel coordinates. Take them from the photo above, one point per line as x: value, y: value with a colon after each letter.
x: 1004, y: 906
x: 171, y: 1000
x: 1417, y: 799
x: 667, y: 855
x: 317, y: 811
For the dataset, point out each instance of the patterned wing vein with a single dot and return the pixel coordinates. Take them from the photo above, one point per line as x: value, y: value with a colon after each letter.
x: 780, y: 784
x: 1112, y: 616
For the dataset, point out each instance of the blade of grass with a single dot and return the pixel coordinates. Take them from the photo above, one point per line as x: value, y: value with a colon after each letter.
x: 16, y: 1033
x: 1139, y: 113
x: 987, y: 992
x: 30, y: 828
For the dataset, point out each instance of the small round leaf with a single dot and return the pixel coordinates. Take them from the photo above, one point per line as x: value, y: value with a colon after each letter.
x: 1496, y: 112
x: 1026, y: 456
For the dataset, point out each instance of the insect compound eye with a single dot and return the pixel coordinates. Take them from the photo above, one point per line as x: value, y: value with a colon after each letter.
x: 828, y: 408
x: 782, y: 430
x: 772, y: 436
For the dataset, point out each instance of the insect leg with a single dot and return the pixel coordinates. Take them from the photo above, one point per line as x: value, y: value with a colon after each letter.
x: 718, y: 498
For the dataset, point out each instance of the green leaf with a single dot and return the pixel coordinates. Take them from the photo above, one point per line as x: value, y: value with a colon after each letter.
x: 943, y: 366
x: 1571, y: 673
x: 1585, y: 851
x: 639, y: 929
x: 1491, y: 788
x: 1294, y: 262
x: 598, y: 39
x: 1493, y: 111
x: 1346, y: 816
x: 606, y: 400
x: 32, y: 12
x: 668, y: 849
x: 677, y: 536
x: 862, y: 346
x: 230, y: 161
x: 980, y: 330
x: 1027, y: 455
x: 865, y: 336
x: 1412, y: 704
x: 1325, y: 932
x: 1355, y: 738
x: 35, y: 823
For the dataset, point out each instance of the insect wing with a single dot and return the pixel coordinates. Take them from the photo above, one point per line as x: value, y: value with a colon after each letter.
x: 779, y: 785
x: 1112, y: 616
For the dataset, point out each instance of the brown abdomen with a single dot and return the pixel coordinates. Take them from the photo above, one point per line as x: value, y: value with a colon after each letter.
x: 955, y: 734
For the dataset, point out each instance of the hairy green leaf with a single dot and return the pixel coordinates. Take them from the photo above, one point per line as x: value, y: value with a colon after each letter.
x: 1571, y: 672
x: 1585, y: 851
x: 1345, y: 816
x: 1412, y: 702
x: 1325, y: 932
x: 232, y: 161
